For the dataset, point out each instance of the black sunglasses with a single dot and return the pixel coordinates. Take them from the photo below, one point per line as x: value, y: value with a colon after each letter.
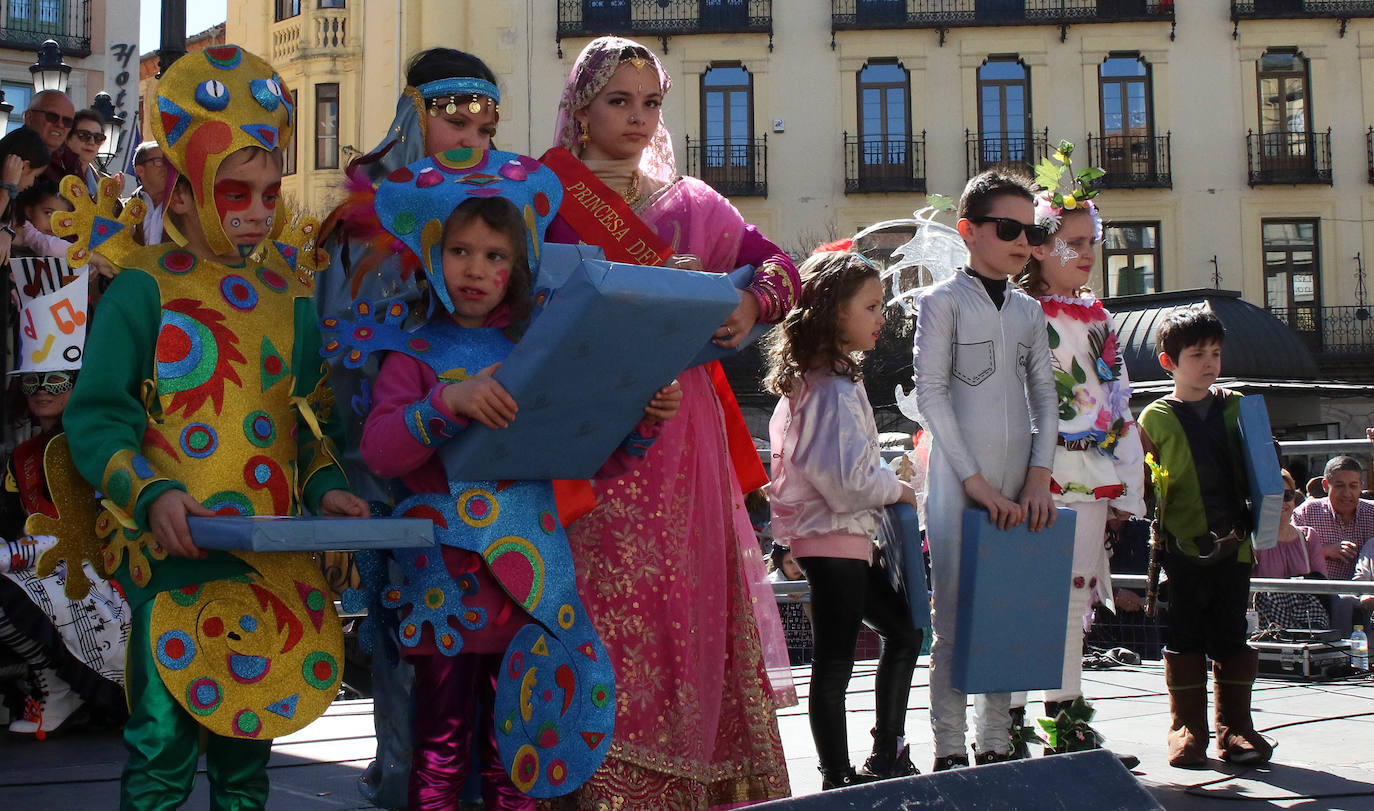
x: 53, y: 118
x: 90, y: 136
x: 1008, y: 229
x: 51, y: 382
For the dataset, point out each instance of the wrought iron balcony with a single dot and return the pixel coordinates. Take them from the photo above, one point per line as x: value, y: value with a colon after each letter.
x: 1343, y: 330
x: 733, y: 168
x: 1292, y: 158
x: 1011, y: 151
x: 1286, y: 9
x: 943, y: 14
x: 663, y: 18
x: 1132, y: 161
x: 25, y: 24
x: 884, y: 163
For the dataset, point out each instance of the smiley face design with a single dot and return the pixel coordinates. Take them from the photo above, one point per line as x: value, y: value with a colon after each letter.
x: 257, y: 656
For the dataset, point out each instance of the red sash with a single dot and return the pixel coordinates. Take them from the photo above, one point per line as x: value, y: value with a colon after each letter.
x: 28, y: 474
x: 601, y: 217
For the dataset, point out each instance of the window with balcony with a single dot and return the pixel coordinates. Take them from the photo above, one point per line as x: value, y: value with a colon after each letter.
x: 1131, y: 259
x: 327, y: 126
x: 36, y: 16
x: 728, y: 157
x: 1287, y: 149
x: 1004, y: 113
x: 18, y: 95
x: 884, y: 156
x: 606, y: 13
x: 1292, y: 275
x: 1129, y: 150
x: 880, y: 11
x: 286, y: 9
x: 724, y: 13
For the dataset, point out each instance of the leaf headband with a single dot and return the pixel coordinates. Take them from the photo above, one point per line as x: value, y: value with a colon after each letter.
x: 1062, y: 190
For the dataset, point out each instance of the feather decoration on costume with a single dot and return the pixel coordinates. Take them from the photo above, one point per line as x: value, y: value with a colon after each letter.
x: 357, y: 222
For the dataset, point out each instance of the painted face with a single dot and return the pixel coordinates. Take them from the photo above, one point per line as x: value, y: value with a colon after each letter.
x: 990, y: 254
x: 1067, y: 259
x: 461, y: 129
x: 246, y: 192
x: 477, y: 266
x: 623, y: 117
x: 1343, y: 488
x: 40, y: 215
x: 85, y: 140
x: 1197, y: 367
x: 861, y: 318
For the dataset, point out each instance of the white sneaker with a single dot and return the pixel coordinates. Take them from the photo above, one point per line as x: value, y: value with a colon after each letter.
x: 55, y: 703
x: 21, y: 554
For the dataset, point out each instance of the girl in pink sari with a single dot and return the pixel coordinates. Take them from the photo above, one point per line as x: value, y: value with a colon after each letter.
x: 667, y: 562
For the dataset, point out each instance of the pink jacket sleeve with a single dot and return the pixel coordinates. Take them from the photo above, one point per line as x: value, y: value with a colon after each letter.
x: 409, y: 420
x: 43, y: 244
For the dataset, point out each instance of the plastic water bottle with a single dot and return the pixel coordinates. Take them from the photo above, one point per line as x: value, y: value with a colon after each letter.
x: 1359, y: 649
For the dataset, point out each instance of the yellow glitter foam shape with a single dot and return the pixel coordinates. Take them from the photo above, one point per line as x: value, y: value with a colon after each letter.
x: 75, y: 526
x: 120, y: 246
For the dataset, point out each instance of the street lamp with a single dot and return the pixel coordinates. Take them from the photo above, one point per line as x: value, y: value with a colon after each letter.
x: 50, y: 72
x: 111, y: 124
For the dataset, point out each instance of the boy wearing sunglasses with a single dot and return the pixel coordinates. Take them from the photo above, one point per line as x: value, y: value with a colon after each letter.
x: 985, y: 385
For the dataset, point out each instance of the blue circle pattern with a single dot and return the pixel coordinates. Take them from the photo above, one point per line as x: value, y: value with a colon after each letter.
x: 248, y: 623
x: 212, y: 95
x: 183, y: 367
x: 176, y: 662
x: 203, y: 452
x: 241, y: 301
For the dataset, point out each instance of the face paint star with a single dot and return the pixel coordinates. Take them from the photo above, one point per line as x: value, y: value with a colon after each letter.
x: 1063, y: 251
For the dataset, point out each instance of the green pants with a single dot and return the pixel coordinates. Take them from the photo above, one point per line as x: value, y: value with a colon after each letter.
x: 163, y: 740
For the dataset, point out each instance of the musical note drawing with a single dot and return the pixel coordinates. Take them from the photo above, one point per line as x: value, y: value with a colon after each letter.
x: 29, y: 329
x: 41, y: 354
x: 77, y: 318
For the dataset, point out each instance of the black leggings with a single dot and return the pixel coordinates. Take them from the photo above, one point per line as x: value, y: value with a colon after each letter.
x: 845, y: 593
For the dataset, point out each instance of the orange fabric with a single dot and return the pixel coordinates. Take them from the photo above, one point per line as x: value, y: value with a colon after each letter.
x: 744, y: 457
x: 574, y: 498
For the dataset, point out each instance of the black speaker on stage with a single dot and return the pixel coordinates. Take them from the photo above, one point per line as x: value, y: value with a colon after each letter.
x: 1095, y: 780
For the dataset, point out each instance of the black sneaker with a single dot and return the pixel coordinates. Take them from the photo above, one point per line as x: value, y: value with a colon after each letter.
x: 831, y: 780
x: 944, y: 764
x: 984, y: 758
x: 884, y: 766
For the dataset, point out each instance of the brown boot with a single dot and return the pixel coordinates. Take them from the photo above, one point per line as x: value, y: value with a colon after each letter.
x: 1186, y: 676
x: 1237, y: 740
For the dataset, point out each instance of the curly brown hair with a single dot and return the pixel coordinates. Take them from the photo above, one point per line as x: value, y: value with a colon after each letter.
x: 808, y: 337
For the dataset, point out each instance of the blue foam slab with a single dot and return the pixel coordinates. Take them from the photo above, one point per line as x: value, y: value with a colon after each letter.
x: 1013, y: 605
x: 1261, y: 471
x: 274, y: 533
x: 604, y: 342
x: 899, y: 536
x: 741, y: 278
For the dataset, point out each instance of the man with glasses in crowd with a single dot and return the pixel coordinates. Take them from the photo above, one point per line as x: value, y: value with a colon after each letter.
x: 151, y: 168
x: 50, y: 115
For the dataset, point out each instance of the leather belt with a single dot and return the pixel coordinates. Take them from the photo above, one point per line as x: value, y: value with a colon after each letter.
x: 1212, y: 548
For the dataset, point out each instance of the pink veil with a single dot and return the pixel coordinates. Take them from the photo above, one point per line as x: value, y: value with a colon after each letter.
x: 590, y: 72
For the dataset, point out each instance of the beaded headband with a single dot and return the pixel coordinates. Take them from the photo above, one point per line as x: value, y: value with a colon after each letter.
x: 468, y: 87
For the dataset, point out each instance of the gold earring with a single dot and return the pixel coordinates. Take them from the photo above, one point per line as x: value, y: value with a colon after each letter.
x: 586, y: 135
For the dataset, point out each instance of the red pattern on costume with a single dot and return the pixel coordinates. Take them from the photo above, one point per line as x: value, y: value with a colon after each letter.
x: 213, y: 389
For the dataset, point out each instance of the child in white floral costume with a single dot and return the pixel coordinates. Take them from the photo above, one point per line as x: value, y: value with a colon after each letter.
x: 1098, y: 462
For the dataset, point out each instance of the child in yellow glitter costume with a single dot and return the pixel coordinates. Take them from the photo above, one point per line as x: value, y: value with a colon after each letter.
x: 206, y: 395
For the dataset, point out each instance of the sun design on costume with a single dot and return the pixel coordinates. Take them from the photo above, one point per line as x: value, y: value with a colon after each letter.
x: 195, y: 356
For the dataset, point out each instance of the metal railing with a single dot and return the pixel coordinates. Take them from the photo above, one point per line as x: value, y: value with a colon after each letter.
x: 1291, y: 158
x: 1014, y: 151
x: 663, y: 18
x: 851, y: 14
x: 1132, y: 161
x: 1338, y: 330
x: 884, y: 163
x: 733, y: 168
x: 25, y: 24
x: 1280, y: 9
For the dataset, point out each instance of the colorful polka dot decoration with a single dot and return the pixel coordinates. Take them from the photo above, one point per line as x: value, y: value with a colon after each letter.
x: 412, y: 202
x: 256, y: 656
x: 429, y: 598
x: 355, y: 336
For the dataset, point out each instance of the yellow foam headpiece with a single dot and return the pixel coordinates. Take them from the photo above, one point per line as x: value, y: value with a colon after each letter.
x: 210, y: 104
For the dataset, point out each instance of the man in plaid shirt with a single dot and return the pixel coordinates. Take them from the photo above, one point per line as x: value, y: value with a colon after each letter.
x: 1342, y: 523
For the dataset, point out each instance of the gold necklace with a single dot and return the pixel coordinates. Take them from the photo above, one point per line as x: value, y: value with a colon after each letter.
x: 632, y: 191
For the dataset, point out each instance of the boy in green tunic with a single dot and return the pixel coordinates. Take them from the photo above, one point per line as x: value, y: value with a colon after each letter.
x: 1194, y: 433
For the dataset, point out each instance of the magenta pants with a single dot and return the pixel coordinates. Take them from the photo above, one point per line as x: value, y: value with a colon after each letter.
x: 454, y: 696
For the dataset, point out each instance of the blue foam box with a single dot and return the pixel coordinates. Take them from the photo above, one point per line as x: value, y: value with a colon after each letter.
x: 1261, y: 471
x: 899, y: 538
x: 741, y: 278
x: 275, y: 533
x: 1013, y: 605
x: 604, y: 342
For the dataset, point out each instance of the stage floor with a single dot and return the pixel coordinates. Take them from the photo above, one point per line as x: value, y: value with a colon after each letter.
x: 1325, y: 735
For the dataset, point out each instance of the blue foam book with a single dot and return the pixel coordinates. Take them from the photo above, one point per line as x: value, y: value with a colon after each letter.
x: 1261, y: 471
x: 899, y: 537
x: 741, y: 278
x: 604, y: 342
x: 1013, y: 605
x: 277, y: 533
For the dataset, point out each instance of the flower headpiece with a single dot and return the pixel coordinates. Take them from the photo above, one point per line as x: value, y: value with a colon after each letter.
x: 210, y: 104
x: 1062, y: 190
